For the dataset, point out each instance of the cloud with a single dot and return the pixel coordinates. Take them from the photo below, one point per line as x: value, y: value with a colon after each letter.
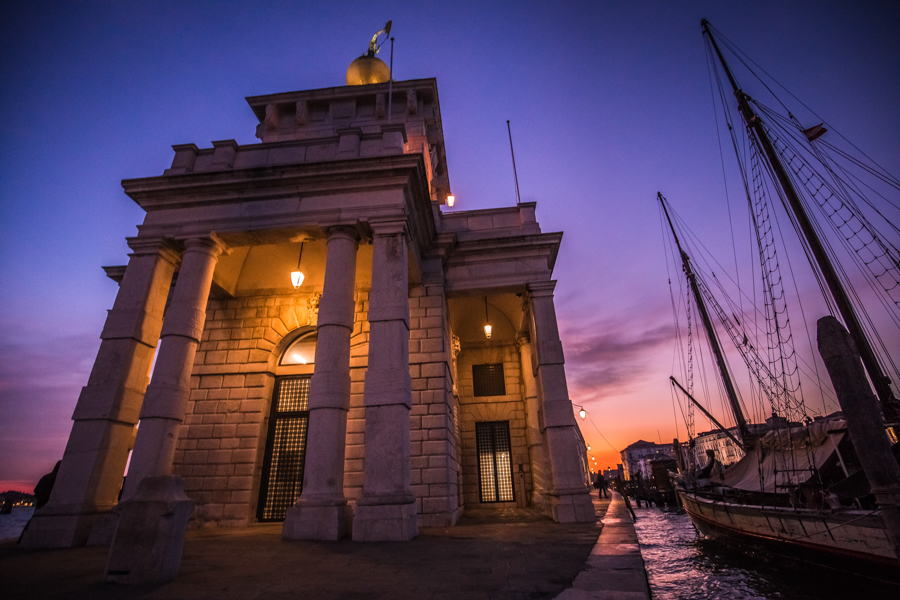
x: 611, y: 357
x: 40, y: 379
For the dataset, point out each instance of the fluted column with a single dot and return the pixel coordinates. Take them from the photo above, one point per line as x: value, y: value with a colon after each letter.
x: 533, y: 437
x: 386, y: 511
x: 569, y: 496
x: 321, y: 511
x: 90, y: 476
x: 168, y: 392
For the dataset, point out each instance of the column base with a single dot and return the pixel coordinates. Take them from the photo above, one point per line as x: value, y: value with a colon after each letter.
x: 149, y: 538
x: 572, y: 508
x: 385, y: 522
x: 50, y: 528
x: 314, y: 521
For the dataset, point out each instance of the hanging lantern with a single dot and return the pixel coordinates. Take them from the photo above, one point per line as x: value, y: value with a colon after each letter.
x: 451, y: 200
x: 297, y: 276
x: 487, y: 325
x: 581, y: 413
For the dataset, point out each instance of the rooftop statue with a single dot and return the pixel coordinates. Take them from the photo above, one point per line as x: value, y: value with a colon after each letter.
x: 368, y: 68
x: 374, y: 46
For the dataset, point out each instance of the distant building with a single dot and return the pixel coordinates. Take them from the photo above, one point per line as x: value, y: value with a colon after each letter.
x: 723, y: 446
x: 636, y: 458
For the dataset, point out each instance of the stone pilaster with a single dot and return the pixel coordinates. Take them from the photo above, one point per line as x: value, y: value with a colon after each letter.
x: 386, y: 511
x: 90, y: 477
x: 533, y: 437
x: 321, y: 510
x: 569, y: 495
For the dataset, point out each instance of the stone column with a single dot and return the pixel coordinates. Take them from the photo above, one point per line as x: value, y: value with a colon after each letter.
x: 168, y: 392
x: 569, y: 496
x: 90, y: 477
x: 386, y: 511
x: 321, y: 510
x: 153, y: 516
x: 536, y: 452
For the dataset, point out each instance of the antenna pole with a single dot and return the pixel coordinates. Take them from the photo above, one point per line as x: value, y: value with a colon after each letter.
x: 515, y: 174
x: 880, y: 381
x: 391, y: 83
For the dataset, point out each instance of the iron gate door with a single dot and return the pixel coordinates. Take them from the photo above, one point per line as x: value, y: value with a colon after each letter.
x: 282, y: 474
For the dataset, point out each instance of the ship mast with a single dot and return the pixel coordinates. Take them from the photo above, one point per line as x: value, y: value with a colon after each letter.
x: 848, y: 314
x: 739, y: 419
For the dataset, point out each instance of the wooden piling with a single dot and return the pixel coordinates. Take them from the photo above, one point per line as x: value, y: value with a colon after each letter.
x: 864, y: 421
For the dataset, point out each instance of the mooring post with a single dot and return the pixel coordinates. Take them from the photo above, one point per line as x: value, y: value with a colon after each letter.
x: 679, y: 459
x: 864, y: 421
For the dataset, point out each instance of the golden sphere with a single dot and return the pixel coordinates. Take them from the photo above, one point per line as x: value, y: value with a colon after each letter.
x: 368, y: 69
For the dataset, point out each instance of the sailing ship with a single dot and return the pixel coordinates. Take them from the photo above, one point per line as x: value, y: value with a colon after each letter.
x: 824, y: 488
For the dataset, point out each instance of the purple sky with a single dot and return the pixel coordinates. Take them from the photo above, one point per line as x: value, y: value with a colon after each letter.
x: 609, y: 102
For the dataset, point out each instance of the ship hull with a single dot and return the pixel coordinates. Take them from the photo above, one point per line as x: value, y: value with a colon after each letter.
x: 849, y: 540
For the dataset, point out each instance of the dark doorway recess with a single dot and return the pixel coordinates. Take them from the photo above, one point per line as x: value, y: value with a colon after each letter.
x: 282, y: 474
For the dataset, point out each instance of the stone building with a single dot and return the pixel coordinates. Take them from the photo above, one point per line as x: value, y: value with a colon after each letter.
x: 637, y: 457
x: 366, y: 400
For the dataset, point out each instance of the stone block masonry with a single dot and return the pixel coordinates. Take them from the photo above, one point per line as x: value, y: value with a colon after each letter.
x: 221, y: 444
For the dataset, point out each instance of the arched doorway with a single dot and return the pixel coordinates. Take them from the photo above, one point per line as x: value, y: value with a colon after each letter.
x: 282, y: 473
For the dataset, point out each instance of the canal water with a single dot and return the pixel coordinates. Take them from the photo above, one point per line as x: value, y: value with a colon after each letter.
x: 11, y: 525
x: 682, y: 565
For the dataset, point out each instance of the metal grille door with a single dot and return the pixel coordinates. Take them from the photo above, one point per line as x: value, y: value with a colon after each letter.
x: 495, y: 481
x: 282, y: 476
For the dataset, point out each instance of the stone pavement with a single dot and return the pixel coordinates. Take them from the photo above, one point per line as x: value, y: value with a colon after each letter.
x: 488, y: 555
x: 615, y: 568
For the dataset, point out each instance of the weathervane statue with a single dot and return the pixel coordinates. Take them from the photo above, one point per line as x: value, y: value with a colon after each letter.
x: 374, y: 46
x: 368, y: 68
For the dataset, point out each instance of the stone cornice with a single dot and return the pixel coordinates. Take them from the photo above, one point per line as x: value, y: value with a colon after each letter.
x: 503, y: 263
x: 281, y: 181
x: 544, y: 244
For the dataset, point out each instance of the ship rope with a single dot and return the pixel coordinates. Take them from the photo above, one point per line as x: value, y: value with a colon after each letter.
x: 786, y: 397
x: 880, y: 257
x: 687, y: 367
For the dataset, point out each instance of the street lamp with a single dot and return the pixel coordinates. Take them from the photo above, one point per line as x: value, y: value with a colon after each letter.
x: 581, y: 412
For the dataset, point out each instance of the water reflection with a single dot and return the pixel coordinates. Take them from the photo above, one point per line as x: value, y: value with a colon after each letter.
x: 11, y: 525
x: 681, y: 565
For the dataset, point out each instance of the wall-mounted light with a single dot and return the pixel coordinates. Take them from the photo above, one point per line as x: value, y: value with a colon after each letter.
x: 487, y: 323
x: 451, y: 200
x: 589, y: 446
x: 297, y: 276
x: 581, y: 413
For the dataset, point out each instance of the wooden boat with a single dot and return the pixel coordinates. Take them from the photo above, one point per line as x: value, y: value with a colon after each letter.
x: 804, y: 486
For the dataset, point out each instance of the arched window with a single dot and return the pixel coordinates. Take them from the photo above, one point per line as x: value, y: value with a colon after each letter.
x: 302, y: 351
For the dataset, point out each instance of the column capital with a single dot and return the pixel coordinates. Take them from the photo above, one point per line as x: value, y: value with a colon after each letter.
x: 166, y: 248
x: 347, y: 231
x: 211, y: 244
x: 523, y: 340
x: 390, y: 228
x: 541, y: 288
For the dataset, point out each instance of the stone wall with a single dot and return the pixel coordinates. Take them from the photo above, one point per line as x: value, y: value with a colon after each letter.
x: 434, y: 448
x: 222, y: 441
x: 509, y: 407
